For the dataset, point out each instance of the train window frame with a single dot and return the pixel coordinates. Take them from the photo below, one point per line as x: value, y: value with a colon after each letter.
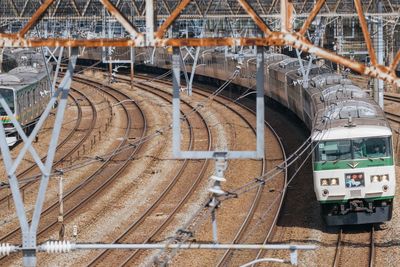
x: 6, y: 97
x: 386, y: 146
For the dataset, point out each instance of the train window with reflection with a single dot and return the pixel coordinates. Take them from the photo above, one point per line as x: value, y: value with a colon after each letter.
x: 333, y: 150
x: 361, y: 148
x: 8, y: 96
x: 375, y: 147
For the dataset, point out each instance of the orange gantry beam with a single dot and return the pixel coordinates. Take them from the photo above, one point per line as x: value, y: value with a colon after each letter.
x: 285, y: 37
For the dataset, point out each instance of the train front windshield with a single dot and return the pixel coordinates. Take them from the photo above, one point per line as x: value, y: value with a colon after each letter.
x: 8, y: 96
x: 360, y: 148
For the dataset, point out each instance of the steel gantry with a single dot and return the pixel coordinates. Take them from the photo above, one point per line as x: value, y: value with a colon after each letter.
x: 146, y: 24
x: 151, y: 23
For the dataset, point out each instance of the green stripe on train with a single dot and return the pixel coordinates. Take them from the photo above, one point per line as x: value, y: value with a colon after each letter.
x: 352, y: 164
x: 368, y: 199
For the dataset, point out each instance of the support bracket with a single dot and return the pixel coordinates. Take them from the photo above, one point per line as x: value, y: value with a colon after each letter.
x: 176, y: 116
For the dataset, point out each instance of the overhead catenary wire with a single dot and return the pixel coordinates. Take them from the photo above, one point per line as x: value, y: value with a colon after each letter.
x: 129, y: 145
x: 189, y: 233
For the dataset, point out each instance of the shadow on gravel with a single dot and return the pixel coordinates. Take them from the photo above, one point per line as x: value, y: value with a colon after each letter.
x: 301, y: 208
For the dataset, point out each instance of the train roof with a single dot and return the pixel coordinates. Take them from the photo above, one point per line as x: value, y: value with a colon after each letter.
x: 274, y: 57
x: 356, y: 131
x: 362, y: 111
x: 8, y: 79
x: 340, y: 91
x: 19, y: 77
x: 351, y: 108
x: 327, y: 79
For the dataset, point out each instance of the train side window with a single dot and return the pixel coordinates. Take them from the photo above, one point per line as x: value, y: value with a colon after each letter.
x: 37, y: 94
x: 30, y: 98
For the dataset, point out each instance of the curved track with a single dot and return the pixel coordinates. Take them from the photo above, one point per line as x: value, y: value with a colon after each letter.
x: 73, y: 138
x: 392, y: 116
x: 109, y: 170
x: 257, y: 197
x: 175, y: 203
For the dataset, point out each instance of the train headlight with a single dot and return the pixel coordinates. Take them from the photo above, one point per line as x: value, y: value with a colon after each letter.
x: 374, y: 178
x: 385, y: 188
x: 379, y: 178
x: 325, y: 192
x: 329, y: 181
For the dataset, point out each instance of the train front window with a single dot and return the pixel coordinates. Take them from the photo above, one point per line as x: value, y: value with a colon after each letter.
x: 360, y: 148
x: 375, y: 147
x: 8, y: 96
x: 333, y: 150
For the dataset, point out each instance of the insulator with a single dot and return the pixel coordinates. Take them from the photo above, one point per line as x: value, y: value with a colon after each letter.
x: 216, y: 178
x: 57, y: 246
x: 217, y: 190
x: 6, y: 249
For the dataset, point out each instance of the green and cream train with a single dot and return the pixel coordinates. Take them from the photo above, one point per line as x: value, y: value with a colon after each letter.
x: 26, y: 91
x: 354, y: 176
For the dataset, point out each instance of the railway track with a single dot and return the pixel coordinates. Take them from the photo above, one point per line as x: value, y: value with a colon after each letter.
x: 224, y: 101
x: 240, y: 236
x: 392, y: 116
x: 74, y: 139
x: 168, y: 195
x: 111, y: 167
x: 355, y: 253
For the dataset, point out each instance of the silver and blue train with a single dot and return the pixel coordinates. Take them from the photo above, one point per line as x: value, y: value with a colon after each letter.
x: 26, y: 90
x: 353, y: 161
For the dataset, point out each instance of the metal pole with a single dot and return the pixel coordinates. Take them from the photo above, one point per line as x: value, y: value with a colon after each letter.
x: 57, y: 69
x: 218, y: 177
x: 196, y: 58
x: 132, y: 65
x: 110, y: 70
x: 176, y: 122
x: 380, y: 48
x: 66, y: 246
x: 184, y: 69
x: 29, y: 232
x: 61, y: 213
x: 29, y: 254
x: 1, y: 58
x: 260, y: 101
x: 150, y: 22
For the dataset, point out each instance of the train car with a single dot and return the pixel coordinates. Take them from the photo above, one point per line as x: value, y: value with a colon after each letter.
x: 26, y: 90
x: 353, y: 161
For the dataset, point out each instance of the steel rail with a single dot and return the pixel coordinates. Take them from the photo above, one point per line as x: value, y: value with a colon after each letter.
x: 251, y: 212
x: 260, y: 189
x: 258, y: 194
x: 162, y: 196
x: 192, y: 186
x: 69, y: 137
x: 372, y: 248
x: 246, y: 222
x: 338, y: 247
x: 102, y: 183
x: 392, y: 116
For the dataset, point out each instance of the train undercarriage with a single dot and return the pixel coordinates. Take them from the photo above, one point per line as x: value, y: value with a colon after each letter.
x: 357, y: 211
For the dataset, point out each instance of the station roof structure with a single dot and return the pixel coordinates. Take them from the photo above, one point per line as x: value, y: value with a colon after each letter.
x: 195, y: 9
x: 147, y: 24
